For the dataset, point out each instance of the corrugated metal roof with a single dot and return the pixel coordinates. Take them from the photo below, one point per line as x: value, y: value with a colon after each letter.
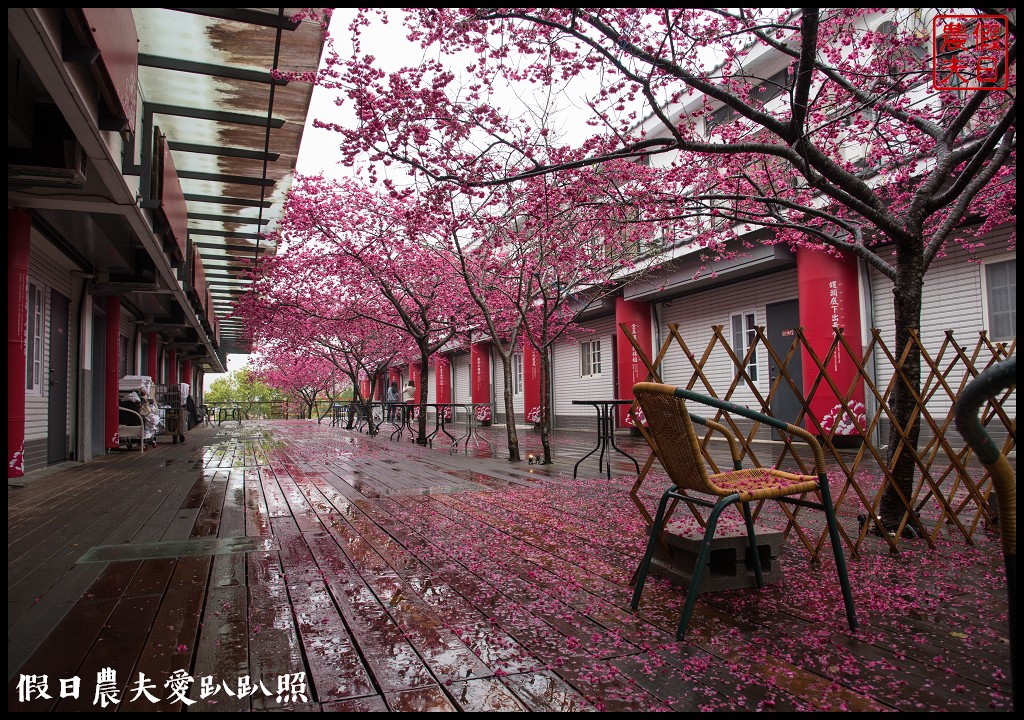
x: 205, y: 77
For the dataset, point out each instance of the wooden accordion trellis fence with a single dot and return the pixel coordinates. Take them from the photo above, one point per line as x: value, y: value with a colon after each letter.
x: 951, y: 488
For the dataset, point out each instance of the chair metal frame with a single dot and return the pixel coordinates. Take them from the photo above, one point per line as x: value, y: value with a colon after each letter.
x: 685, y: 466
x: 998, y: 377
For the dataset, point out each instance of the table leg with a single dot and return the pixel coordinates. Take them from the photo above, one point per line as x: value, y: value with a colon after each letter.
x: 603, y: 430
x: 444, y: 417
x: 407, y: 422
x: 472, y: 432
x: 599, y: 442
x: 460, y: 438
x: 623, y: 452
x: 437, y: 427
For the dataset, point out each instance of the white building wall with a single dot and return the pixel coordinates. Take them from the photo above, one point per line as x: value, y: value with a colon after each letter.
x: 49, y: 270
x: 952, y: 300
x: 566, y: 381
x: 697, y: 313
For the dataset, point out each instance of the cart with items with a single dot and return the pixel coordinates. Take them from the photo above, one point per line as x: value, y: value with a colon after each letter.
x: 171, y: 401
x: 138, y: 419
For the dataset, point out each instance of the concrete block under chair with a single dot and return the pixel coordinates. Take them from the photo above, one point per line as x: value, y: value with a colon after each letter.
x: 728, y: 567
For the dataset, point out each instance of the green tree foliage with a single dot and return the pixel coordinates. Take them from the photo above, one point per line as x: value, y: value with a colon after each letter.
x: 241, y: 386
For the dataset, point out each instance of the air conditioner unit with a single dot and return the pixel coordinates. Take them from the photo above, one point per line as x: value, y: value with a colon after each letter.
x: 71, y: 174
x: 853, y: 152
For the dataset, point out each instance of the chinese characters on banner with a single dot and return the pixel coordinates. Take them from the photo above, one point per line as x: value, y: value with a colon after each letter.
x: 531, y: 383
x: 443, y: 384
x: 480, y: 382
x: 969, y: 52
x: 291, y: 688
x: 833, y: 306
x: 827, y: 281
x: 636, y: 316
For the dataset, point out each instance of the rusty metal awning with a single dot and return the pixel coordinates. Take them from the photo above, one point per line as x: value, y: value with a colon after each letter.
x: 233, y: 131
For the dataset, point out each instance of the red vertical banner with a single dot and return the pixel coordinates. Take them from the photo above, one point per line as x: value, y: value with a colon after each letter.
x: 531, y: 383
x: 830, y: 298
x: 480, y: 378
x: 379, y: 394
x: 110, y: 380
x: 364, y: 387
x: 186, y: 376
x: 19, y: 233
x: 172, y: 366
x: 151, y: 360
x: 636, y: 316
x: 443, y: 382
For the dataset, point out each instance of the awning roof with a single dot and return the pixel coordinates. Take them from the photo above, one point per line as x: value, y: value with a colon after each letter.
x: 233, y: 131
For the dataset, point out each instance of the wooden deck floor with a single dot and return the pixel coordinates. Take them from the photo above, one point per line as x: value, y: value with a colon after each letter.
x: 287, y: 565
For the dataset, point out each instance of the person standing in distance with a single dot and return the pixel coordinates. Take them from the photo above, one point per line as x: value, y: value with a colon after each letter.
x: 393, y: 399
x: 409, y: 395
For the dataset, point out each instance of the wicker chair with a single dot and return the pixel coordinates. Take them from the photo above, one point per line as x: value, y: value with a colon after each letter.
x: 986, y: 388
x: 677, y: 447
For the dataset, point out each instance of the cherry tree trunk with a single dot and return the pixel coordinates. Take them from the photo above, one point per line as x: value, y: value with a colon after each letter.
x: 545, y: 404
x: 907, y: 291
x: 421, y: 426
x: 510, y: 410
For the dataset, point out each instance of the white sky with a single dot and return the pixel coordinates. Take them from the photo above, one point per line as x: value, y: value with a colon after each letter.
x: 319, y: 149
x: 234, y: 362
x: 388, y: 44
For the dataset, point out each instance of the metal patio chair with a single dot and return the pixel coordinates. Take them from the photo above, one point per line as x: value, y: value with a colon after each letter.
x: 678, y: 448
x: 999, y: 377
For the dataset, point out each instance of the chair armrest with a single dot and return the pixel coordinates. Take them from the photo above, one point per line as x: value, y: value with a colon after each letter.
x: 733, y: 408
x: 999, y: 377
x: 734, y: 446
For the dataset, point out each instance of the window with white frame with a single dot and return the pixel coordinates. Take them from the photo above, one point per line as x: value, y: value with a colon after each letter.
x: 1001, y: 299
x: 590, y: 358
x: 517, y: 374
x: 744, y: 334
x: 34, y: 348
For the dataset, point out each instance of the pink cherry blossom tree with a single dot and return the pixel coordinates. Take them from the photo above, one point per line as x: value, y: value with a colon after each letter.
x: 361, y: 350
x: 298, y: 373
x: 847, y: 150
x: 469, y: 232
x: 296, y: 302
x: 575, y: 241
x: 368, y: 244
x: 534, y: 255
